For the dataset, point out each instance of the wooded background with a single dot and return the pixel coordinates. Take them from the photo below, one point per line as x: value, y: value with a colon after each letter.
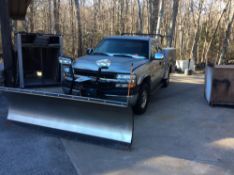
x: 201, y: 30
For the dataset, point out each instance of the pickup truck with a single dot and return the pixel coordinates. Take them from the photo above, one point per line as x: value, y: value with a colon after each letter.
x: 120, y: 67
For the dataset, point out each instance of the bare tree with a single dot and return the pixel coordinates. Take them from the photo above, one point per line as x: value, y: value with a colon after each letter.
x: 200, y: 31
x: 194, y: 52
x: 140, y: 22
x: 160, y: 16
x: 223, y: 56
x: 80, y: 34
x: 215, y: 31
x: 31, y: 16
x: 72, y: 28
x: 50, y: 17
x: 154, y: 10
x: 56, y: 16
x: 173, y: 22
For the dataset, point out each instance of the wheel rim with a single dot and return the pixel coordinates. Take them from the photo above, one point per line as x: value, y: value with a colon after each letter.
x: 144, y: 98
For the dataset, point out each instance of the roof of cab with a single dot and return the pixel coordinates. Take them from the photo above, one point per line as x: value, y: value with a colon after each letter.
x: 142, y: 38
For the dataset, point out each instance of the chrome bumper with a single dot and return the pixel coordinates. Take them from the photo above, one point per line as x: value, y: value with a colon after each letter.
x: 130, y: 100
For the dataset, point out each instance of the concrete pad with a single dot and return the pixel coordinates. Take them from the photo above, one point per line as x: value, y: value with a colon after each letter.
x: 179, y: 134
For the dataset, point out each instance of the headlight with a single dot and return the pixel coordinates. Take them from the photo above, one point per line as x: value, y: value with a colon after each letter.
x: 126, y: 77
x: 64, y: 60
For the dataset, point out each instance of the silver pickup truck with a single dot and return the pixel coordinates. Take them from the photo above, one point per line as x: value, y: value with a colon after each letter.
x: 120, y: 67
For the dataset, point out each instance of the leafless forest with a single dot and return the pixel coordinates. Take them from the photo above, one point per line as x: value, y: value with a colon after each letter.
x: 200, y: 29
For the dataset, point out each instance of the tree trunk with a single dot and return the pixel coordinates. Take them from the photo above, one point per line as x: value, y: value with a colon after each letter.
x: 122, y: 17
x: 173, y: 22
x: 216, y: 29
x: 160, y: 16
x: 127, y: 28
x: 223, y: 56
x: 154, y: 9
x: 31, y: 17
x: 72, y: 28
x: 50, y: 17
x: 197, y: 35
x: 80, y: 34
x: 140, y: 17
x: 56, y: 16
x: 6, y: 43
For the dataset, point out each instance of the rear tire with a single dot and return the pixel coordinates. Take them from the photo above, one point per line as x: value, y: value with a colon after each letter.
x: 143, y: 100
x: 166, y: 81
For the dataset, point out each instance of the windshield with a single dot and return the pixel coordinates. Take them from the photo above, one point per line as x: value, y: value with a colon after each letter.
x: 121, y: 47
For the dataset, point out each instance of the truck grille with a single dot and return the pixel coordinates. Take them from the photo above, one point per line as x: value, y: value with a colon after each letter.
x: 89, y: 73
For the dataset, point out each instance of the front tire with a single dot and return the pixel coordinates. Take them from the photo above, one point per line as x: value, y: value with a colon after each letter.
x: 143, y: 100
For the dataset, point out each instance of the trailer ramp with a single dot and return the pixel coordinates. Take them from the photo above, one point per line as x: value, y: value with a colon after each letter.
x: 93, y: 117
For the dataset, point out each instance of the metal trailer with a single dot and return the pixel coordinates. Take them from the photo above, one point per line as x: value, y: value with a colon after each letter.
x: 219, y: 85
x: 38, y: 54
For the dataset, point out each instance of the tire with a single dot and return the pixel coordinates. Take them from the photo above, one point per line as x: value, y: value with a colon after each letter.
x: 166, y: 81
x: 143, y: 100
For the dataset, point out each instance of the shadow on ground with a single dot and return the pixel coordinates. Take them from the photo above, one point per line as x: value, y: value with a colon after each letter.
x: 27, y: 151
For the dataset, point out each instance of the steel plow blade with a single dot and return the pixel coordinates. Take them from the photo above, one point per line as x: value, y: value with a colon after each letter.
x: 92, y: 117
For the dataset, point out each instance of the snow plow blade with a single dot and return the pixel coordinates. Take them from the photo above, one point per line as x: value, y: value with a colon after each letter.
x: 88, y: 116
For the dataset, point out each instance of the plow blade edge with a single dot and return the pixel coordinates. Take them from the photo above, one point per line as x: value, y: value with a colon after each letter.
x: 80, y: 115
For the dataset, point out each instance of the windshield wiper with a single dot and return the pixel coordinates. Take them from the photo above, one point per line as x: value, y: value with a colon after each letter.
x: 101, y: 53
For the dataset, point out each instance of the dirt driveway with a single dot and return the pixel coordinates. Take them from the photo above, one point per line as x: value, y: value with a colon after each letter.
x: 179, y: 135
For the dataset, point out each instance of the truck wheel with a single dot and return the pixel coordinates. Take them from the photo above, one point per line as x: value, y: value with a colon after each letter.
x: 143, y: 100
x: 166, y: 81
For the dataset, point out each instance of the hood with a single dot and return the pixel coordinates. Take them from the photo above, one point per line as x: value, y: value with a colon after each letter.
x: 118, y: 64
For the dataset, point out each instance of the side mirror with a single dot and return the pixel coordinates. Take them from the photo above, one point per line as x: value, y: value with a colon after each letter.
x: 65, y: 60
x: 89, y: 51
x: 159, y: 56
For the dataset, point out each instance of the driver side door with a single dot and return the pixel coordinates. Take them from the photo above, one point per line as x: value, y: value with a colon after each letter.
x: 157, y: 70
